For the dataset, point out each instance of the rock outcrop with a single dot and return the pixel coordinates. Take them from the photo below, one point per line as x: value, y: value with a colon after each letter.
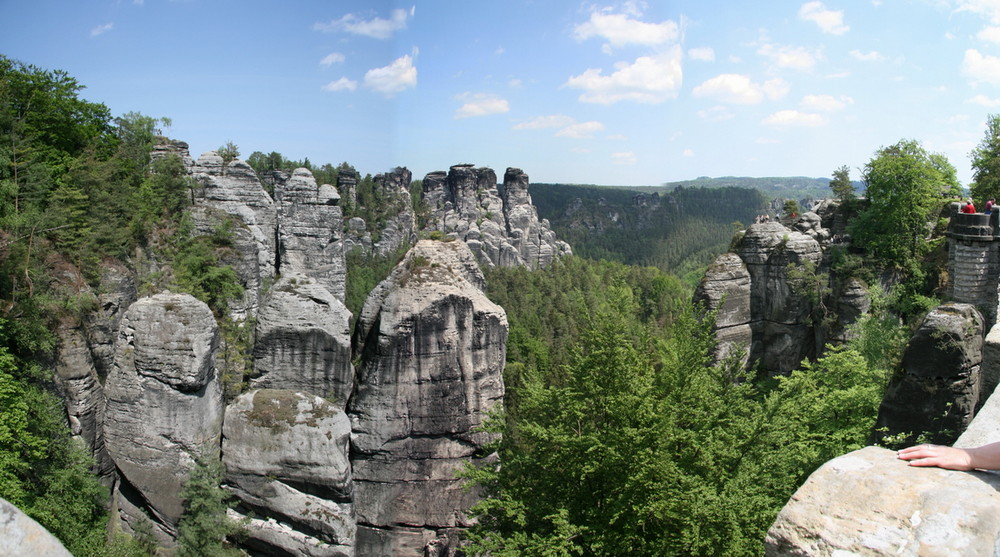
x: 939, y: 388
x: 780, y: 318
x: 233, y: 189
x: 286, y: 460
x: 83, y: 394
x: 870, y: 503
x: 725, y: 288
x: 164, y: 403
x: 432, y: 348
x: 21, y: 535
x: 500, y: 229
x: 303, y: 341
x: 310, y: 231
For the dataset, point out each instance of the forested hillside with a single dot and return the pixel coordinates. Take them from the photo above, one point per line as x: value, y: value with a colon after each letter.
x: 679, y: 232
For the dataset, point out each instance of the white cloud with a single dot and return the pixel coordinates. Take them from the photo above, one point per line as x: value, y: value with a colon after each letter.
x: 342, y: 84
x: 716, y: 114
x: 790, y: 57
x: 990, y: 9
x: 620, y: 30
x: 739, y: 89
x: 826, y: 103
x: 514, y: 83
x: 687, y: 153
x: 101, y: 29
x: 829, y: 21
x: 617, y: 137
x: 541, y: 122
x: 481, y: 104
x: 650, y: 79
x: 870, y: 56
x: 376, y: 28
x: 980, y: 68
x: 624, y: 158
x: 705, y: 54
x: 989, y: 34
x: 583, y: 130
x: 332, y: 58
x: 394, y: 78
x: 794, y: 118
x: 983, y: 100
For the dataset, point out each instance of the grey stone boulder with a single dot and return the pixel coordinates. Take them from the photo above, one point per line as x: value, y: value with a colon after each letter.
x: 303, y: 341
x: 21, y: 535
x: 780, y: 318
x: 939, y: 388
x: 164, y: 402
x: 432, y: 348
x: 287, y: 463
x: 870, y: 503
x: 310, y: 231
x: 725, y: 289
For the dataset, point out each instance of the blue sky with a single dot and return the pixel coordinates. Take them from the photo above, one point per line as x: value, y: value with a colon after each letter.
x: 629, y: 93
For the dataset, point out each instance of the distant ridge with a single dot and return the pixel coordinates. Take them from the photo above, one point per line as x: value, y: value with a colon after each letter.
x: 789, y: 187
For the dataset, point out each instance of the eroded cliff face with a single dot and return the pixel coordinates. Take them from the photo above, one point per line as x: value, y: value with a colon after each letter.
x: 287, y: 462
x: 164, y: 404
x: 762, y: 312
x: 303, y: 341
x: 500, y: 226
x: 433, y: 349
x: 322, y: 459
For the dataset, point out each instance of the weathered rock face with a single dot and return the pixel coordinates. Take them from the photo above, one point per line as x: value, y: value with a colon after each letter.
x: 21, y: 535
x: 870, y: 503
x: 115, y: 293
x: 303, y: 341
x: 164, y: 403
x: 286, y: 460
x: 779, y: 318
x: 235, y: 190
x: 433, y: 349
x: 83, y: 394
x: 310, y: 237
x: 400, y: 227
x: 939, y: 389
x: 726, y: 289
x: 852, y: 302
x: 535, y: 242
x: 501, y: 231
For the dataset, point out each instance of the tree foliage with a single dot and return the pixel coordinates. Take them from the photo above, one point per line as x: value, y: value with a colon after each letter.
x: 906, y: 186
x: 841, y: 185
x: 204, y: 526
x: 986, y: 162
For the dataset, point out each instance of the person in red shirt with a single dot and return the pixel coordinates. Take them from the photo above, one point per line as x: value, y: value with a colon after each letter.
x: 968, y: 207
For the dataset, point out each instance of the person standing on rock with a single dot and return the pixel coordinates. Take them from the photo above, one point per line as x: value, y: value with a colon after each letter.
x: 986, y: 457
x: 968, y: 207
x: 989, y: 206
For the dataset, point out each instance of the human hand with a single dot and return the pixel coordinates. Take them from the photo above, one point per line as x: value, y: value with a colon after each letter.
x: 949, y: 458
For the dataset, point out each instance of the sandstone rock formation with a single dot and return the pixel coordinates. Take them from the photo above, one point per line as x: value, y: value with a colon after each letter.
x: 310, y: 231
x: 400, y: 225
x: 500, y: 229
x: 725, y: 288
x: 781, y: 331
x: 286, y: 460
x: 235, y: 190
x: 303, y: 341
x: 164, y: 403
x: 939, y: 389
x: 432, y: 348
x: 83, y: 394
x: 870, y: 503
x: 21, y: 535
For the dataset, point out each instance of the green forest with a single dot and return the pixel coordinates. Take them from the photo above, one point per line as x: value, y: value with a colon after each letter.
x: 619, y: 433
